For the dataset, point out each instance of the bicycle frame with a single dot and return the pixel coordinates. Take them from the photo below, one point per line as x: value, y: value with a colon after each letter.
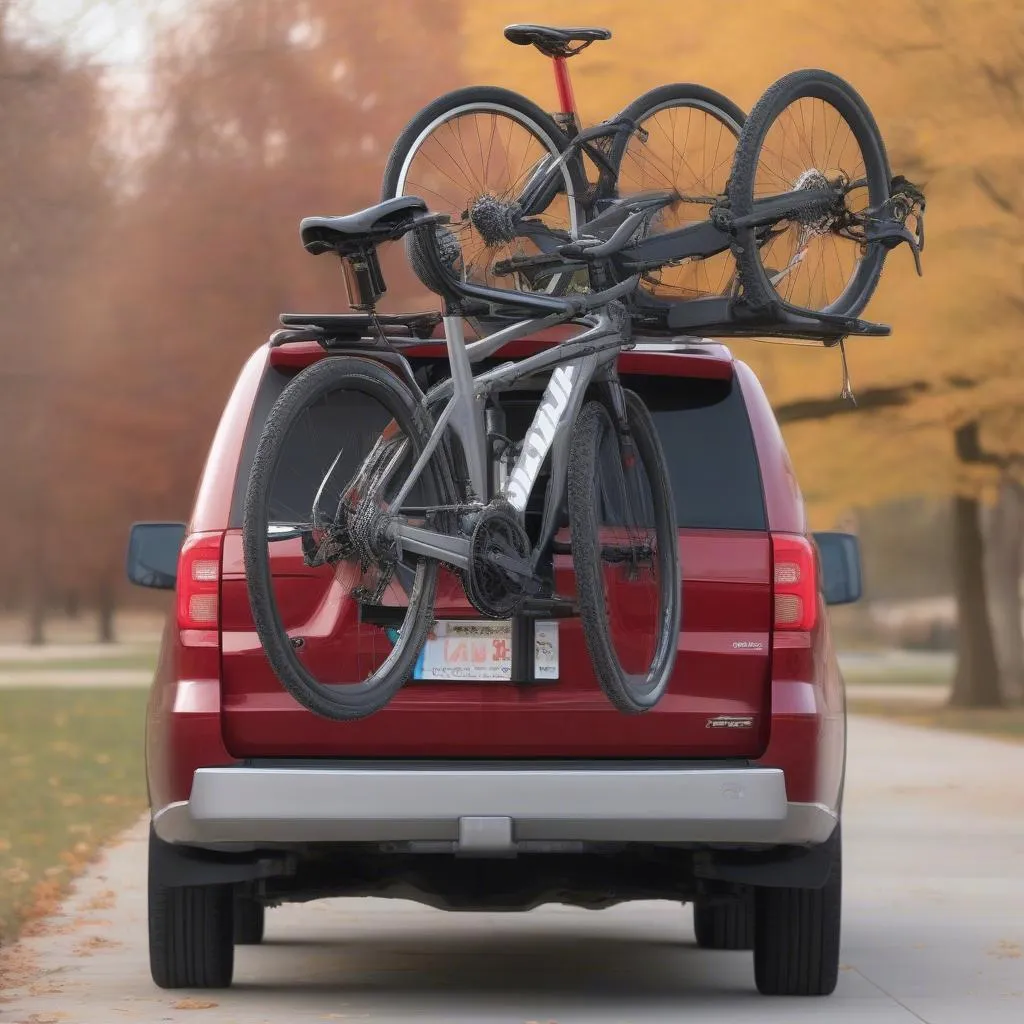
x: 575, y: 365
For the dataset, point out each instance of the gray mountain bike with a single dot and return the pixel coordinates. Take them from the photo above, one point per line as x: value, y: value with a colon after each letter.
x: 426, y: 476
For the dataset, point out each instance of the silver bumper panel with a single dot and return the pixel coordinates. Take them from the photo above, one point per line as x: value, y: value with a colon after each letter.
x: 491, y: 809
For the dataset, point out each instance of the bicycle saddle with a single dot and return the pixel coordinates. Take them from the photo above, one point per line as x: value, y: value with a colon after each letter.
x: 555, y: 42
x: 354, y: 231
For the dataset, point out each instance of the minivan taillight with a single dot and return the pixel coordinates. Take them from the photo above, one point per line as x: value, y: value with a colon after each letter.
x: 199, y: 589
x: 795, y: 582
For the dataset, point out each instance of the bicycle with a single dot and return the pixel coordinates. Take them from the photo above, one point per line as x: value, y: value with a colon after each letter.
x: 442, y: 482
x: 531, y: 165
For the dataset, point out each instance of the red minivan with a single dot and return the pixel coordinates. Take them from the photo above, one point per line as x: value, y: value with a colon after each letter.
x: 476, y: 793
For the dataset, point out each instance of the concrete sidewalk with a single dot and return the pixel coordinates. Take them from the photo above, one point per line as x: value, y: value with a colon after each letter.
x: 933, y: 932
x: 898, y: 691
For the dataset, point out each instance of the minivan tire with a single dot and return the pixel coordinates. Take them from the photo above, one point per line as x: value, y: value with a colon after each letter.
x: 724, y: 925
x: 796, y: 934
x: 191, y: 937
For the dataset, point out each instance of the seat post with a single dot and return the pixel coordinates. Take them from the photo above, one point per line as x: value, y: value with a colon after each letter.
x: 563, y: 83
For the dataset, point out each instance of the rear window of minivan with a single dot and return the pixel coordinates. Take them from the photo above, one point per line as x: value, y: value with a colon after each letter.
x: 704, y: 432
x: 709, y: 447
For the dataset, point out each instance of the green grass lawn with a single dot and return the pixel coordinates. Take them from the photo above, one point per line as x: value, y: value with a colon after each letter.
x: 1007, y: 723
x: 72, y: 777
x: 141, y: 661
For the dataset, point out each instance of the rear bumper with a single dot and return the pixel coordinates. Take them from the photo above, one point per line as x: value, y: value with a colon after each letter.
x: 489, y: 808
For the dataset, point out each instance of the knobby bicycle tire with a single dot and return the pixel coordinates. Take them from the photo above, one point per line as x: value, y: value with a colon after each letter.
x: 628, y: 693
x: 344, y: 701
x: 758, y: 290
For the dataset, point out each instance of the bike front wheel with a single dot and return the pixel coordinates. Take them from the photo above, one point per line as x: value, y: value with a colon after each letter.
x: 625, y: 553
x: 340, y: 614
x: 475, y: 154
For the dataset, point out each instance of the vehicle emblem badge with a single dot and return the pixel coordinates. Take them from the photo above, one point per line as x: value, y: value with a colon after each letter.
x: 731, y: 722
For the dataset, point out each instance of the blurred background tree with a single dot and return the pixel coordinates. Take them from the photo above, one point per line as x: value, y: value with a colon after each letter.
x: 151, y: 244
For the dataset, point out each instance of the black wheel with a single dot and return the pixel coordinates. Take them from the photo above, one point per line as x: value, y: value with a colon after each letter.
x: 340, y: 616
x: 810, y: 130
x: 796, y: 935
x: 625, y: 554
x: 686, y: 141
x: 724, y: 925
x: 250, y: 921
x: 190, y: 931
x: 470, y: 154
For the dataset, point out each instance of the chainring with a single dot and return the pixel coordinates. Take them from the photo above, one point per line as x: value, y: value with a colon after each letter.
x: 491, y: 589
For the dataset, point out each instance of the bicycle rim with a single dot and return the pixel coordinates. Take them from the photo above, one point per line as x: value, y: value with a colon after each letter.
x: 340, y: 615
x: 472, y: 162
x: 686, y: 143
x: 811, y: 130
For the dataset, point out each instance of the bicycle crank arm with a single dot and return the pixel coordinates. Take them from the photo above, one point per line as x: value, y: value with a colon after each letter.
x: 520, y: 568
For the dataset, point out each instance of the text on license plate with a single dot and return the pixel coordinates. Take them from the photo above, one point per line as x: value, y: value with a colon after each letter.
x: 474, y: 650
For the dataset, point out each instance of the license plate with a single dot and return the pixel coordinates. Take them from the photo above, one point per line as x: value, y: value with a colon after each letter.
x: 463, y: 649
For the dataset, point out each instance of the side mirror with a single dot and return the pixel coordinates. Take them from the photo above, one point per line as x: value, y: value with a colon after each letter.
x: 153, y: 554
x: 840, y: 567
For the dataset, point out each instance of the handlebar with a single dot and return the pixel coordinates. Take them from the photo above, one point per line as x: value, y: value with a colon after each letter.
x: 436, y: 270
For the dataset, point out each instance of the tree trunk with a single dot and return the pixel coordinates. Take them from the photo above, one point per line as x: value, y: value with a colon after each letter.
x: 1003, y: 534
x: 105, y: 613
x: 37, y: 612
x: 976, y: 683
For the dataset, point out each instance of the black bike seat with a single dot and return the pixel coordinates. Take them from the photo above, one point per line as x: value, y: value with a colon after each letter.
x: 554, y: 42
x: 354, y: 230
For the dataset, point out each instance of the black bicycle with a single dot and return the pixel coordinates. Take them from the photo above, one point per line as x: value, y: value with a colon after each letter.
x: 502, y: 168
x: 373, y: 477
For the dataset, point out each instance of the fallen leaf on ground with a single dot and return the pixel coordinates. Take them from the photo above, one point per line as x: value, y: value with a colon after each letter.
x: 194, y: 1004
x: 94, y: 943
x: 104, y: 901
x: 1004, y: 949
x: 45, y: 988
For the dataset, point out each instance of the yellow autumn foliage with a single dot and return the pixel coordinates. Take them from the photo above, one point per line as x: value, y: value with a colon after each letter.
x: 945, y: 80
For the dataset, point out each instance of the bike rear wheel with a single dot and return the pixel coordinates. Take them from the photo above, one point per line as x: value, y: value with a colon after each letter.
x: 686, y: 141
x: 625, y: 554
x: 339, y: 614
x: 470, y: 154
x: 809, y: 130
